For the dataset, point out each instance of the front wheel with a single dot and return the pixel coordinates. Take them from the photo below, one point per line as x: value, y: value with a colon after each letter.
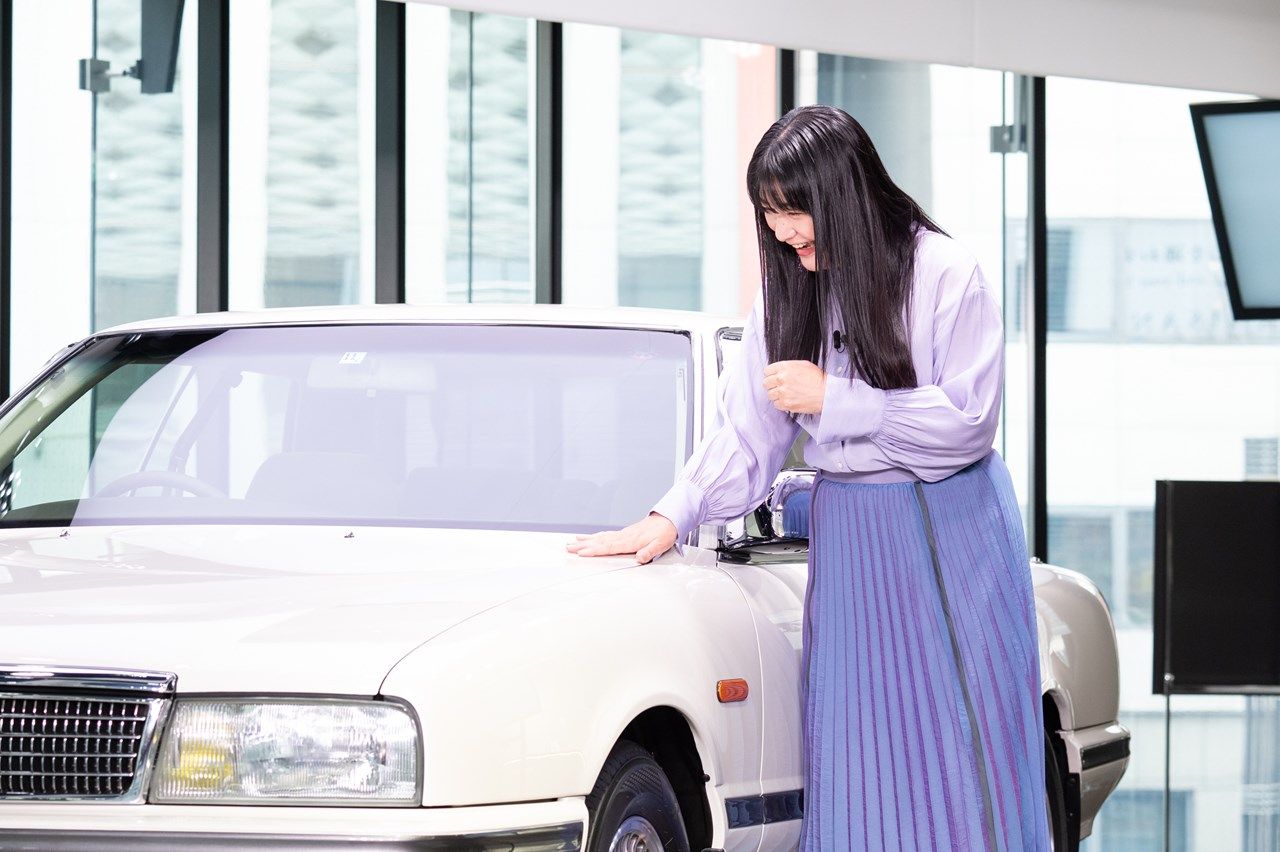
x: 633, y: 808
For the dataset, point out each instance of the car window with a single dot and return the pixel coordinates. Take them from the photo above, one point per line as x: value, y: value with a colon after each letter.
x: 511, y: 427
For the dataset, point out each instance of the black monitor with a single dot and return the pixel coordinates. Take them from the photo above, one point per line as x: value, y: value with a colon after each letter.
x: 1217, y: 587
x: 1239, y: 146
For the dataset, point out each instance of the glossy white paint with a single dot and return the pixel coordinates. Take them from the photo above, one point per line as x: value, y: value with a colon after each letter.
x: 259, y: 609
x: 1080, y: 673
x: 1079, y: 666
x: 524, y: 664
x: 776, y: 593
x: 544, y: 686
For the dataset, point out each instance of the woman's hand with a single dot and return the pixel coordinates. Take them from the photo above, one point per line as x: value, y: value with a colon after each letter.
x: 648, y: 539
x: 796, y: 386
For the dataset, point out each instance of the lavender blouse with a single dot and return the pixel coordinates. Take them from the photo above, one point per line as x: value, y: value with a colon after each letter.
x: 863, y: 433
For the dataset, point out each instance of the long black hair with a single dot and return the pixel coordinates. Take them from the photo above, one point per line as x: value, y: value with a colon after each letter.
x: 818, y: 160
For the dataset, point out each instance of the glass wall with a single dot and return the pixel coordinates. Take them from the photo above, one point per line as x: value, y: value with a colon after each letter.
x: 103, y: 183
x: 51, y: 187
x: 144, y: 179
x: 1148, y: 375
x: 931, y: 125
x: 301, y: 157
x: 658, y: 130
x: 1150, y: 378
x: 469, y: 156
x: 103, y: 209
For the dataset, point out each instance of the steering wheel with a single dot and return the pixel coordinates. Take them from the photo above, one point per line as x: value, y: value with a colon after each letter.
x: 163, y: 478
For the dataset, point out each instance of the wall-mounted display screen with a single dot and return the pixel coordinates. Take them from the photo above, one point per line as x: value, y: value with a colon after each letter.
x: 1240, y: 153
x: 1217, y: 587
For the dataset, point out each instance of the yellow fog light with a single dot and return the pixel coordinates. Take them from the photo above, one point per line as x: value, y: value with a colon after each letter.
x: 204, y: 765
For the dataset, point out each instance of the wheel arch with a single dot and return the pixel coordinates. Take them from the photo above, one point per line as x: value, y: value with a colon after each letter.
x: 669, y: 736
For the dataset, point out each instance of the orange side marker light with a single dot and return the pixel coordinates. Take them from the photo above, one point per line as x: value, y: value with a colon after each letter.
x: 734, y: 689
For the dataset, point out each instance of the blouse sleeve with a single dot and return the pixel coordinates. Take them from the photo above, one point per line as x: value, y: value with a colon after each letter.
x: 732, y: 469
x: 938, y: 428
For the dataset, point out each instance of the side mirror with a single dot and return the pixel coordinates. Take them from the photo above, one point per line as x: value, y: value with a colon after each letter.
x: 782, y: 519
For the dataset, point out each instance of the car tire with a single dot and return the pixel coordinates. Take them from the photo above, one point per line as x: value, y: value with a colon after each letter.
x: 1055, y: 795
x: 633, y: 805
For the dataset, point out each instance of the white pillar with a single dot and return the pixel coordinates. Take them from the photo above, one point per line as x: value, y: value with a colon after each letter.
x: 189, y: 57
x: 592, y: 80
x: 426, y: 210
x: 51, y: 184
x: 366, y: 124
x: 720, y: 175
x: 249, y: 99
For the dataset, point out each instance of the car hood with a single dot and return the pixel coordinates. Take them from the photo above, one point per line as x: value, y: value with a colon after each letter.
x: 264, y: 608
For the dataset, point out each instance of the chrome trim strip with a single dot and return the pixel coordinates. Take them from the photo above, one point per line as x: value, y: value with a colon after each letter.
x: 99, y: 680
x: 566, y: 837
x: 780, y: 806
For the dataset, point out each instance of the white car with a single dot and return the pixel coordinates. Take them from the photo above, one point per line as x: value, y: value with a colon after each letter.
x: 298, y: 579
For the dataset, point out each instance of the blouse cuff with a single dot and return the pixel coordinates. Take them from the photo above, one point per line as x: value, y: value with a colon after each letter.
x: 684, y: 506
x: 850, y: 409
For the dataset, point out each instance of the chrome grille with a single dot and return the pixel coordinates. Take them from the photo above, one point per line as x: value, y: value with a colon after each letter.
x: 69, y: 745
x: 79, y: 733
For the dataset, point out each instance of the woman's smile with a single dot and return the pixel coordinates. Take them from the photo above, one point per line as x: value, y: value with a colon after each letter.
x: 796, y: 230
x: 805, y: 252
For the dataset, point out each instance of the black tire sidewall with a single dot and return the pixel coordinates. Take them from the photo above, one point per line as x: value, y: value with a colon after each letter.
x: 638, y: 787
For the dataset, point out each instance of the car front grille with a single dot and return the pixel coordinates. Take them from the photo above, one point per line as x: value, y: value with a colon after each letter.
x: 78, y: 734
x: 70, y: 746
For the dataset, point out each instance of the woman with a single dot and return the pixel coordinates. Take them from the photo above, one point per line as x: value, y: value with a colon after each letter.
x: 878, y: 335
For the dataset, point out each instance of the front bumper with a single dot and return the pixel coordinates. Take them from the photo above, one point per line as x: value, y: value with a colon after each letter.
x: 555, y: 826
x: 1097, y: 758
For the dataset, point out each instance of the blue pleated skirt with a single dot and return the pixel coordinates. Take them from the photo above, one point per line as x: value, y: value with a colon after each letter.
x: 921, y: 686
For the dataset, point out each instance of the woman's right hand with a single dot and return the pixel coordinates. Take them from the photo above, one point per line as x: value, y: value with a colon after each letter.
x: 647, y: 538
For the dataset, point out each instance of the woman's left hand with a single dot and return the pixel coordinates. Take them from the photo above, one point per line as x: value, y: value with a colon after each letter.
x: 796, y: 386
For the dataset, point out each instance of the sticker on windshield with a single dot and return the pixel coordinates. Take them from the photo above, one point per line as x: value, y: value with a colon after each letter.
x: 352, y: 357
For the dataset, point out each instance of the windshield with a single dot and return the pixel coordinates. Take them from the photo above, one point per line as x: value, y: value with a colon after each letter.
x: 504, y: 427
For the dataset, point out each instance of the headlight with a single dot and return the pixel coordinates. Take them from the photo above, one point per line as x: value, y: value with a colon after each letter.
x: 287, y: 751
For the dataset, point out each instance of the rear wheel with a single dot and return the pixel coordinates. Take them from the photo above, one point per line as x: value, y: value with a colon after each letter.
x: 633, y: 808
x: 1055, y: 797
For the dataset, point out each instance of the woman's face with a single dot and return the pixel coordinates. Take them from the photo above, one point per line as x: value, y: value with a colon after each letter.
x: 796, y: 230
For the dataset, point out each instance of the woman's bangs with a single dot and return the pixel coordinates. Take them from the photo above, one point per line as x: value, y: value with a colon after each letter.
x: 778, y: 187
